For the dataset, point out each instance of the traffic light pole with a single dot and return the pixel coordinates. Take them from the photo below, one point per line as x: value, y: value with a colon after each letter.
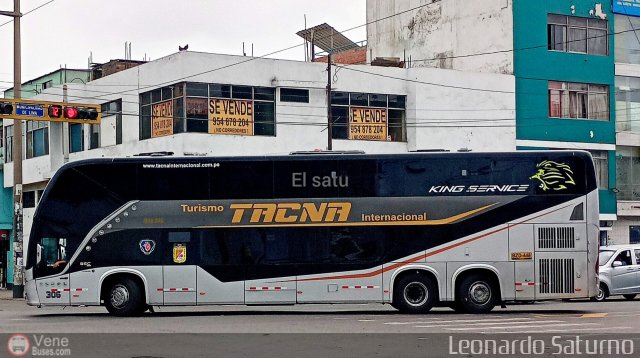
x: 18, y: 273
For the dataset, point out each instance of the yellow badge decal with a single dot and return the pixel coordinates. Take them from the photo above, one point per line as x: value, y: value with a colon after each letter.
x: 553, y: 175
x: 179, y: 253
x: 526, y: 255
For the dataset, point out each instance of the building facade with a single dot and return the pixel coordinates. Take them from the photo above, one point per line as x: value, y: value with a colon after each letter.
x: 627, y: 108
x: 561, y: 54
x: 29, y: 89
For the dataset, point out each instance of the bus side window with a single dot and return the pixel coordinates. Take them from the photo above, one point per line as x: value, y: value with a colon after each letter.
x: 210, y: 250
x: 223, y: 247
x: 355, y: 245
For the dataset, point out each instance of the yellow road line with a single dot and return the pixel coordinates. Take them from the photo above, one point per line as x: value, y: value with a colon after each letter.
x: 594, y: 315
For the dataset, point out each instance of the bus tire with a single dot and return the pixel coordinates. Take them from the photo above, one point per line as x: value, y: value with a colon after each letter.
x: 477, y: 294
x: 629, y: 297
x: 415, y: 294
x: 125, y: 298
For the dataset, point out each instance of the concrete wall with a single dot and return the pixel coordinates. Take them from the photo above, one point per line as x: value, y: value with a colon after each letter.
x: 441, y: 33
x: 620, y: 231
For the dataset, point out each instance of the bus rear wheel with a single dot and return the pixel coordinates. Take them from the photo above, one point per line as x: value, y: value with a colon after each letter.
x: 125, y: 298
x: 629, y: 297
x: 415, y: 294
x: 477, y: 294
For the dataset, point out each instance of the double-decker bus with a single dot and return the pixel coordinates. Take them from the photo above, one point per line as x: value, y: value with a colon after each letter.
x: 466, y: 230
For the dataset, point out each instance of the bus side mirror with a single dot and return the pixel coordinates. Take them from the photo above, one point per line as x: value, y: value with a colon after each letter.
x: 616, y: 264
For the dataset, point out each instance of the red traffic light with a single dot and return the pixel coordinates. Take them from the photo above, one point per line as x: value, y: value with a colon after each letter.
x: 70, y: 112
x: 55, y: 111
x: 80, y: 113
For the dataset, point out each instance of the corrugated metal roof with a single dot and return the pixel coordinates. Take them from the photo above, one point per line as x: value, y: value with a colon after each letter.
x: 327, y: 38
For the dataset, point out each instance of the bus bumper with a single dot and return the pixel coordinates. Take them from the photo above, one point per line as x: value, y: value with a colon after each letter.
x: 31, y: 294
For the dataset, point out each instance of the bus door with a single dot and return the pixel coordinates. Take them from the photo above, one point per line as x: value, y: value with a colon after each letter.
x: 350, y: 259
x: 521, y: 253
x: 271, y: 257
x: 222, y: 269
x: 179, y: 270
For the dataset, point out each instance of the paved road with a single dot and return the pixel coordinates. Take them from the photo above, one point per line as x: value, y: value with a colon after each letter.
x: 295, y: 330
x: 614, y: 315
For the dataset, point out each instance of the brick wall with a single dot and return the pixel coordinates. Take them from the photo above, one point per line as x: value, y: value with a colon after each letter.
x: 350, y: 57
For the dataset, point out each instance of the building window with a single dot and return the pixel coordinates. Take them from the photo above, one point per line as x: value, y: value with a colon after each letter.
x: 601, y: 163
x: 114, y: 108
x: 577, y: 34
x: 628, y: 104
x: 207, y: 108
x: 76, y: 137
x: 47, y: 84
x: 628, y: 173
x: 627, y: 46
x: 29, y: 199
x: 578, y: 100
x: 94, y: 136
x: 37, y: 138
x: 294, y: 95
x: 634, y: 235
x: 8, y: 144
x: 366, y: 116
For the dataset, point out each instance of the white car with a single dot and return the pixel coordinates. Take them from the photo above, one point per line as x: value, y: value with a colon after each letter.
x: 619, y: 271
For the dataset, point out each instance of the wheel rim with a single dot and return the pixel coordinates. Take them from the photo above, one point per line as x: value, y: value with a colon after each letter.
x: 480, y: 293
x: 600, y: 295
x: 119, y: 296
x: 416, y: 294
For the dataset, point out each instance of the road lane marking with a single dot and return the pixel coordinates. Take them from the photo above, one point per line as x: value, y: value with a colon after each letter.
x: 486, y: 324
x: 469, y: 321
x: 366, y: 320
x: 527, y: 326
x: 570, y: 330
x: 594, y: 315
x: 20, y: 319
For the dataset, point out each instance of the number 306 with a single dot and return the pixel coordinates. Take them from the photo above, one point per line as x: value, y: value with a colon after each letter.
x: 53, y: 294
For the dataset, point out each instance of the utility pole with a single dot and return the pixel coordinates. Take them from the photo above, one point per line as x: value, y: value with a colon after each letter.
x: 18, y: 273
x: 329, y: 119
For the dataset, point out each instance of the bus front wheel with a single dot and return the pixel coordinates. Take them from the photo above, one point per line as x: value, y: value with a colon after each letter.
x: 477, y: 294
x: 125, y: 298
x: 415, y: 294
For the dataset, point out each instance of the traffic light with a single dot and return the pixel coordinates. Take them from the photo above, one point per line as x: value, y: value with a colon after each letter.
x: 54, y: 111
x: 72, y: 112
x: 6, y: 108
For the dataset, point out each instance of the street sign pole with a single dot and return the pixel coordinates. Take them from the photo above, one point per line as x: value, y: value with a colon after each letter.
x: 18, y: 273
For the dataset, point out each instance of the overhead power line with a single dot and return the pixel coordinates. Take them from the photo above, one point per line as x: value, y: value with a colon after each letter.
x: 28, y: 12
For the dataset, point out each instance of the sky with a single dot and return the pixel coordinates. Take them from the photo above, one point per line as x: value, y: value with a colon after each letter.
x: 65, y: 32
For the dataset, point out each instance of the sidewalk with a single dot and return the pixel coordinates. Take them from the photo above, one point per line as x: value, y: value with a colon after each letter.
x: 7, y: 295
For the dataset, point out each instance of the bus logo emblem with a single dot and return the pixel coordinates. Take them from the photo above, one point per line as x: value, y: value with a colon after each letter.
x: 179, y: 253
x: 553, y: 175
x: 147, y: 246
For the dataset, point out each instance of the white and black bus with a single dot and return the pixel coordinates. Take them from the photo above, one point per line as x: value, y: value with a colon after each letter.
x: 468, y: 230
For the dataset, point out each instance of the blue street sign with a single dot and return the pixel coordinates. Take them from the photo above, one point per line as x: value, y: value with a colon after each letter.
x: 32, y: 110
x: 626, y: 7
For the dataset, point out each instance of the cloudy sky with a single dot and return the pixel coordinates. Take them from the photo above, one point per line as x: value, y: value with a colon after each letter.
x: 66, y: 32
